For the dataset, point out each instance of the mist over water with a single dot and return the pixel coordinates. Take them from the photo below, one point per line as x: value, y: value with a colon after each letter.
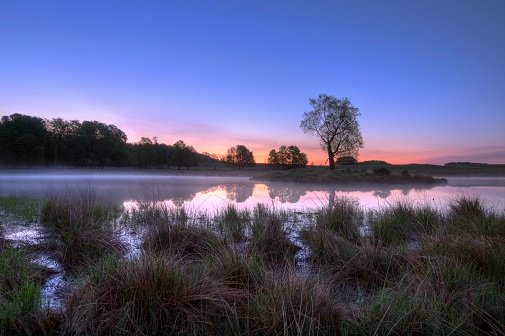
x: 209, y: 193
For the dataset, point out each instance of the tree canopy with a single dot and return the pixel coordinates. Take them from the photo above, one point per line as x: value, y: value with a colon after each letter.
x: 287, y: 156
x: 240, y: 156
x: 335, y: 122
x: 27, y: 140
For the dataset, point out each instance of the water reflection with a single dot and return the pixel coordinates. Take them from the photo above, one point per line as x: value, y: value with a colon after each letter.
x: 238, y: 192
x: 207, y: 193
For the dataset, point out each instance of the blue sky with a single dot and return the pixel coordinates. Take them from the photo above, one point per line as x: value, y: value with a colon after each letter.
x: 428, y: 76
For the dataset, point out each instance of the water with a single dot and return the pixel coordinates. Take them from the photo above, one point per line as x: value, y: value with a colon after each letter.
x: 209, y: 193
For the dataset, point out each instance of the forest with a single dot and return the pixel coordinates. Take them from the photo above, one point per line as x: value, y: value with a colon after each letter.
x: 33, y: 141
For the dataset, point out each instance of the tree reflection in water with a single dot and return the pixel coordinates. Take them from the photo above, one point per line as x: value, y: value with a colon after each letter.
x: 238, y: 193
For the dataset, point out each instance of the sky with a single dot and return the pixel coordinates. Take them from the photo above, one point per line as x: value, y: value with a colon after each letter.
x: 428, y: 76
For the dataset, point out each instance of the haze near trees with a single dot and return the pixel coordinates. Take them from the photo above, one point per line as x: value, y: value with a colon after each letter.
x: 335, y: 123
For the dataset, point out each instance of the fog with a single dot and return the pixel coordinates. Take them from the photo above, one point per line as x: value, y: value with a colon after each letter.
x: 212, y: 192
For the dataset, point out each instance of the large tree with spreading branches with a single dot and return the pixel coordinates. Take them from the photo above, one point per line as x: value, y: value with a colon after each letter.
x: 335, y: 123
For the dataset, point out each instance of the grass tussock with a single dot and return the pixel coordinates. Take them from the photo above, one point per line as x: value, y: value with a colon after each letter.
x: 233, y: 222
x: 486, y: 255
x: 80, y: 229
x: 343, y: 217
x: 155, y: 213
x: 420, y: 271
x: 152, y: 295
x: 269, y: 238
x: 293, y: 304
x: 370, y: 264
x: 403, y: 221
x: 438, y: 298
x: 469, y: 215
x: 189, y: 241
x: 238, y: 270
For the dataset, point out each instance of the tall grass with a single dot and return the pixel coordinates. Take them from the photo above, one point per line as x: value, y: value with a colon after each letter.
x: 80, y: 229
x: 190, y: 241
x: 269, y: 238
x: 153, y: 213
x: 153, y: 295
x: 469, y: 215
x: 370, y: 264
x: 421, y: 271
x: 402, y: 221
x: 343, y: 217
x: 292, y: 304
x: 233, y: 222
x: 20, y: 305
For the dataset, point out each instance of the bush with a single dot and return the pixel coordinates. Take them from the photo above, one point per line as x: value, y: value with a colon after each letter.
x: 382, y: 171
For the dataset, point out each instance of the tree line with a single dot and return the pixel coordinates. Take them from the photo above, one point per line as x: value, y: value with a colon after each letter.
x: 33, y: 141
x: 28, y: 140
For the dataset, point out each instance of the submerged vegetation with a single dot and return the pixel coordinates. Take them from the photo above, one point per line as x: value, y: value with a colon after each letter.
x: 405, y: 269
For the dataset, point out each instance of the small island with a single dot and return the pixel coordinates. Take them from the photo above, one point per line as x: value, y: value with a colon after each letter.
x: 381, y: 175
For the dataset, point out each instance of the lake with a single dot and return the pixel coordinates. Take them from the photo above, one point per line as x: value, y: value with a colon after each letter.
x: 209, y: 193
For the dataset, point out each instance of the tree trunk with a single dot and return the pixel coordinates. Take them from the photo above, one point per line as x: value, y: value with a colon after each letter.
x: 331, y: 158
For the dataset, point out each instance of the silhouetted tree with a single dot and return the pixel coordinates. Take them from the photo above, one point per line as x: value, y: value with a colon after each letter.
x: 240, y: 156
x: 62, y: 140
x: 183, y: 155
x: 23, y: 139
x: 100, y: 145
x: 334, y: 121
x: 273, y: 158
x: 290, y: 157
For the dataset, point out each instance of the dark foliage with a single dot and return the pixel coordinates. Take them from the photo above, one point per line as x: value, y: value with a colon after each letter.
x: 287, y: 157
x: 29, y: 141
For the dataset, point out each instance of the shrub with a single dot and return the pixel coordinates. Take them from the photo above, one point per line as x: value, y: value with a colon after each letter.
x: 382, y: 171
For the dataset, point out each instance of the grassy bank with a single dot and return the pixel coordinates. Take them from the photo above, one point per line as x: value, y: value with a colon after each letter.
x: 348, y: 175
x: 399, y: 270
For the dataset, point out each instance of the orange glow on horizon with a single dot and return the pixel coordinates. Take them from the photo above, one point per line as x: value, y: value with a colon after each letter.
x: 316, y: 156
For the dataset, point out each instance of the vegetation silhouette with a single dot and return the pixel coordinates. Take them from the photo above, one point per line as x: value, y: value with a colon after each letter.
x: 240, y: 156
x: 287, y: 157
x: 33, y: 141
x: 335, y: 123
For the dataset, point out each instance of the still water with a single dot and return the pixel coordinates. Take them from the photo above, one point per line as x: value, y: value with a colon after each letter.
x: 209, y: 193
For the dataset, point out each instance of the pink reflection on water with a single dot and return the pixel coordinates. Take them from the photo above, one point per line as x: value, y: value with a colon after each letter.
x: 306, y: 198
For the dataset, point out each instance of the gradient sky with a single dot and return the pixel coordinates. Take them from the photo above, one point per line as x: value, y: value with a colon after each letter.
x: 428, y: 76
